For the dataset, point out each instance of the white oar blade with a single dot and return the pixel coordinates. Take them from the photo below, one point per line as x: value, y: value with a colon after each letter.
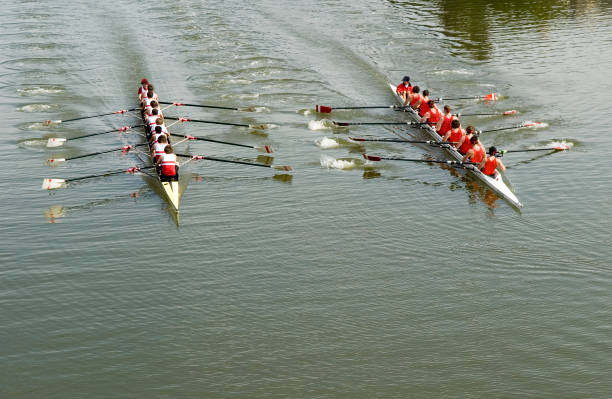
x: 56, y: 142
x: 51, y: 184
x: 55, y: 161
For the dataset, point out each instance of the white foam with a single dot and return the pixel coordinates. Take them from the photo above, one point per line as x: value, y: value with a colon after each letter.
x: 323, y: 124
x: 333, y: 163
x: 538, y: 125
x: 560, y: 143
x: 34, y: 91
x: 35, y: 108
x: 453, y: 72
x: 305, y: 111
x: 326, y: 143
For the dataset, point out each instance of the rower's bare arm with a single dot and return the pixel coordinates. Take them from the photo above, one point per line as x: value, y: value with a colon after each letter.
x: 439, y: 124
x: 501, y: 165
x: 425, y: 117
x: 467, y: 155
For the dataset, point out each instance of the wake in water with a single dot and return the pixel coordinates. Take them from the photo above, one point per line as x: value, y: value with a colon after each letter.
x: 333, y: 163
x: 37, y: 91
x: 38, y: 108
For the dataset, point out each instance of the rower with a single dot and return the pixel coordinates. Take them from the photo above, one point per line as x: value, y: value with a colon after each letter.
x: 144, y: 88
x: 455, y: 134
x: 154, y: 93
x: 152, y: 119
x: 444, y: 124
x: 404, y: 89
x: 423, y: 106
x: 475, y: 154
x: 154, y: 104
x: 433, y: 115
x: 157, y: 149
x: 415, y: 97
x: 157, y: 133
x: 167, y: 165
x: 146, y: 101
x: 465, y: 144
x: 489, y: 164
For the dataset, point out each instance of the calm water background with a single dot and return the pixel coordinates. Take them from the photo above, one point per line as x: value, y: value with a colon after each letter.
x: 403, y: 281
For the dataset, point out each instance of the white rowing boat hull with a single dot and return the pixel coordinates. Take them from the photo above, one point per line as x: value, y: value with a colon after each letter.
x: 496, y: 183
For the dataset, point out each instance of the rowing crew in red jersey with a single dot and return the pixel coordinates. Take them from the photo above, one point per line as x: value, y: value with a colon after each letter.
x: 465, y: 144
x: 475, y: 154
x: 414, y: 97
x: 422, y: 105
x: 433, y: 114
x: 444, y: 124
x: 167, y: 164
x: 404, y: 89
x: 455, y: 134
x: 489, y: 164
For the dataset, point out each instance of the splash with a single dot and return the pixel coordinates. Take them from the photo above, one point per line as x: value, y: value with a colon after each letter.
x: 453, y: 72
x: 36, y: 107
x: 326, y: 143
x: 560, y: 144
x: 255, y: 109
x: 35, y: 91
x: 323, y: 124
x: 333, y: 163
x: 536, y: 125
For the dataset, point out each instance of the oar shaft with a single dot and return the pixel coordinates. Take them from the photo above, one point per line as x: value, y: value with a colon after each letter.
x: 222, y: 160
x: 198, y: 105
x: 110, y: 173
x: 122, y: 129
x: 125, y: 148
x: 204, y: 121
x: 95, y: 116
x: 211, y: 140
x: 501, y: 128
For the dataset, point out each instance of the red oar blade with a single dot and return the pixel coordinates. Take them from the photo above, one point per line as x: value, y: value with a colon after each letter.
x: 372, y: 157
x: 324, y: 109
x: 266, y: 149
x: 511, y: 112
x: 491, y: 97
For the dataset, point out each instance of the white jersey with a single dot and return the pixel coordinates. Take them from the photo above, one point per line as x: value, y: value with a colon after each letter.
x: 158, y: 148
x: 151, y: 119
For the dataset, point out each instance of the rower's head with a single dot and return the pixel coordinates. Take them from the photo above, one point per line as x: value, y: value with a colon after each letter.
x: 154, y: 104
x: 431, y: 103
x: 470, y: 129
x: 159, y: 121
x: 158, y: 128
x: 154, y: 111
x: 474, y: 139
x: 150, y: 93
x: 492, y: 150
x: 455, y: 123
x: 416, y: 89
x: 162, y: 139
x: 447, y: 109
x: 150, y: 86
x: 406, y: 79
x: 168, y: 149
x: 425, y: 93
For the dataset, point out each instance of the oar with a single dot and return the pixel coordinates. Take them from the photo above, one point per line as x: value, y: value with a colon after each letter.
x: 511, y: 112
x: 378, y: 123
x: 125, y: 148
x: 179, y: 104
x: 59, y: 141
x: 50, y: 184
x: 377, y: 158
x: 121, y: 111
x: 492, y: 96
x: 200, y: 157
x: 216, y: 122
x: 326, y: 109
x: 562, y: 147
x: 265, y: 148
x: 524, y: 124
x: 430, y: 142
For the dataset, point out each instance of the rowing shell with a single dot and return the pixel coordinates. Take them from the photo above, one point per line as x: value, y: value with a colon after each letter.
x: 170, y: 188
x: 495, y: 183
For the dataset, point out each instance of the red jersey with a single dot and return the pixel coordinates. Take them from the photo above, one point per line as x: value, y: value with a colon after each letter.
x: 479, y: 153
x: 434, y: 115
x: 465, y: 146
x: 424, y: 107
x: 401, y: 88
x: 168, y: 164
x: 446, y: 124
x: 415, y: 99
x: 490, y: 166
x: 455, y: 135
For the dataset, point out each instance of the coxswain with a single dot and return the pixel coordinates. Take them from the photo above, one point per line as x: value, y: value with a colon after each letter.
x: 455, y: 134
x: 423, y: 106
x: 404, y: 89
x: 167, y: 165
x: 433, y: 115
x: 415, y: 97
x: 475, y: 154
x: 444, y: 124
x: 465, y: 144
x: 157, y: 149
x: 144, y: 88
x: 489, y: 164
